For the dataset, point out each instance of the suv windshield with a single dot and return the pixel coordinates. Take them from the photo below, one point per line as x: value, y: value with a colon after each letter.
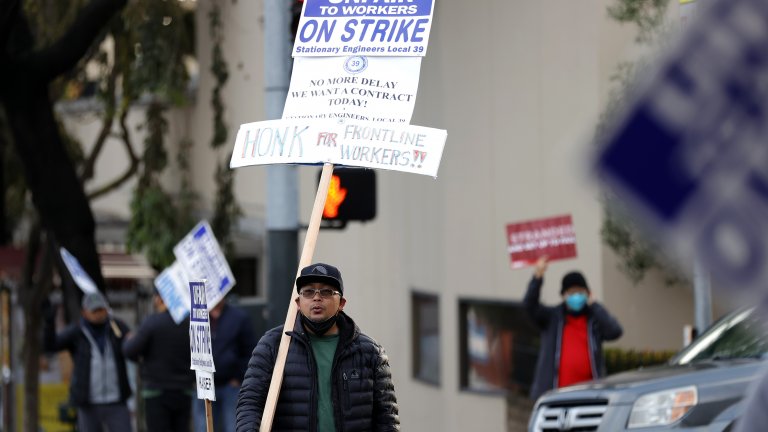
x: 740, y: 335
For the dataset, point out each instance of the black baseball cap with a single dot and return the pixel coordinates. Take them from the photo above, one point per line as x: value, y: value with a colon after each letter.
x: 320, y: 272
x: 573, y: 279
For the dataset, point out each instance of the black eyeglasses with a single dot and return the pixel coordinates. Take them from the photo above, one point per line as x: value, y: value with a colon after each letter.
x: 326, y: 293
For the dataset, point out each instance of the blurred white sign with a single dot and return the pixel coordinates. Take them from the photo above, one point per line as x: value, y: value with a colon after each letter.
x: 83, y: 281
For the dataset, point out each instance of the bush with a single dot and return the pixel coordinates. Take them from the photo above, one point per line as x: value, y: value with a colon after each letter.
x: 620, y: 360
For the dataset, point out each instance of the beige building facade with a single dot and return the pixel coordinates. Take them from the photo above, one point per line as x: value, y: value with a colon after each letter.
x: 519, y: 86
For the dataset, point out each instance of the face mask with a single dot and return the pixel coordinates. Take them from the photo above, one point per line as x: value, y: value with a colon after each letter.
x: 318, y: 328
x: 576, y: 302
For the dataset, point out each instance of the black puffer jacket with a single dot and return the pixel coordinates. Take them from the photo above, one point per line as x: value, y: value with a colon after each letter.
x: 362, y: 391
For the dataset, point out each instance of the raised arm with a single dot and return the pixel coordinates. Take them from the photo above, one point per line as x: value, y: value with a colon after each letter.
x: 531, y: 301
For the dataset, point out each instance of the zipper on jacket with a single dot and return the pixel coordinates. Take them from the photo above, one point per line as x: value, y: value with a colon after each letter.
x: 591, y: 344
x: 313, y: 374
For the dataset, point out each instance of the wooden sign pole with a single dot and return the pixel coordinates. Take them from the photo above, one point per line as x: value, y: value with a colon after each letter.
x: 306, y: 259
x: 208, y: 416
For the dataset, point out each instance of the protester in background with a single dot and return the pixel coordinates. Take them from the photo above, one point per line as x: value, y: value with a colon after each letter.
x: 99, y: 387
x: 335, y: 378
x: 232, y: 341
x: 572, y: 333
x: 162, y: 348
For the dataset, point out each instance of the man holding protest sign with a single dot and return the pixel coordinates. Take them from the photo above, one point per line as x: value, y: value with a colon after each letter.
x: 162, y: 348
x: 99, y: 387
x: 572, y: 333
x: 336, y: 377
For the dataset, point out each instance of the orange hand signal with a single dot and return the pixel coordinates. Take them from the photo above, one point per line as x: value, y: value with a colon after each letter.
x: 336, y: 195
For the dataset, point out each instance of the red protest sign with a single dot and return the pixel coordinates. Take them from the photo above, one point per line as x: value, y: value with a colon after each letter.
x: 529, y: 240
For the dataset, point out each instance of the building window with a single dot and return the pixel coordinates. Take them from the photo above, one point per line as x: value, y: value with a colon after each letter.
x: 498, y: 347
x: 426, y: 337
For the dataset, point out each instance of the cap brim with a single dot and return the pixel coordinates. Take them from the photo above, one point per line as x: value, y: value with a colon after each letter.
x: 302, y: 281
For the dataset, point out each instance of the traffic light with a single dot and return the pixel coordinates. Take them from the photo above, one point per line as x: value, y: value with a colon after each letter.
x: 351, y: 197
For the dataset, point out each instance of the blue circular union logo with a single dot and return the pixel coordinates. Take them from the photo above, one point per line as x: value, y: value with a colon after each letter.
x: 356, y: 64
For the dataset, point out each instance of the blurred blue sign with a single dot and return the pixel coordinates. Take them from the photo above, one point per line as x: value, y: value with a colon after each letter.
x: 690, y: 155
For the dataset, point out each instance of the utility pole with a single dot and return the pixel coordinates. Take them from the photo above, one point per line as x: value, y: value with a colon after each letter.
x: 702, y: 297
x: 702, y: 289
x: 282, y: 180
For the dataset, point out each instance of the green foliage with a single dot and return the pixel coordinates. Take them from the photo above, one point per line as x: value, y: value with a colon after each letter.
x: 158, y: 224
x: 161, y: 38
x: 226, y: 210
x: 619, y: 360
x: 151, y: 225
x: 220, y: 73
x: 187, y: 196
x: 638, y: 258
x: 155, y: 156
x: 140, y: 58
x: 647, y: 15
x: 158, y: 220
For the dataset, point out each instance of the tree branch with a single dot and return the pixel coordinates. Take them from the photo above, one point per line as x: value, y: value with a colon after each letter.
x: 132, y: 168
x: 64, y: 54
x: 109, y: 117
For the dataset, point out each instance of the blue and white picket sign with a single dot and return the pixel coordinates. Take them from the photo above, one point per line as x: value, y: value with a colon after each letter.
x: 171, y: 284
x: 363, y: 27
x: 201, y: 257
x: 200, y: 349
x: 690, y: 155
x: 82, y: 279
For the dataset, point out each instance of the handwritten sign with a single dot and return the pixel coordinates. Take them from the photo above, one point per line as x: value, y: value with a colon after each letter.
x: 363, y: 27
x: 529, y: 240
x: 413, y: 149
x: 358, y: 88
x: 199, y: 329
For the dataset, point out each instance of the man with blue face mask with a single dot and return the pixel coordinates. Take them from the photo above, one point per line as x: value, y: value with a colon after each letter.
x: 572, y: 333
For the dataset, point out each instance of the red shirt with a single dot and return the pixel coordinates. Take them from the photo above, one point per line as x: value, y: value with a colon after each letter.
x: 575, y: 366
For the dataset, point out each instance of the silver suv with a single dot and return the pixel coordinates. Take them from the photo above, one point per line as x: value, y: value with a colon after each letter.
x: 701, y: 389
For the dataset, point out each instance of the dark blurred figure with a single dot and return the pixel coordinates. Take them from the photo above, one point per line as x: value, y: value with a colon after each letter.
x: 233, y: 340
x: 162, y: 349
x: 99, y: 387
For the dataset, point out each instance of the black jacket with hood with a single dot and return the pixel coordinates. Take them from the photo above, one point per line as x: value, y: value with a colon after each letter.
x: 601, y: 326
x: 361, y: 384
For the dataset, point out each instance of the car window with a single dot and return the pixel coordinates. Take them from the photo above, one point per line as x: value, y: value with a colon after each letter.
x: 740, y: 335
